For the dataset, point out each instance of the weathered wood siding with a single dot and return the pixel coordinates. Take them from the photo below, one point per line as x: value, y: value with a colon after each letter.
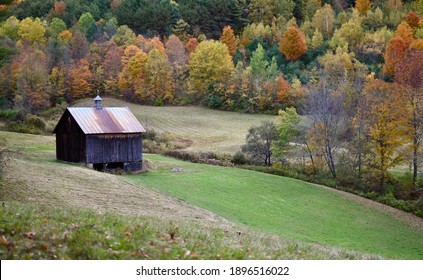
x: 70, y: 140
x: 106, y: 148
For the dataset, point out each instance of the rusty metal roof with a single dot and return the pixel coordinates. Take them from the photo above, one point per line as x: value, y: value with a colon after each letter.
x: 106, y: 120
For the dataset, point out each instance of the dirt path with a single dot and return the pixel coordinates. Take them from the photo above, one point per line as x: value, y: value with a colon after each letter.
x: 408, y: 218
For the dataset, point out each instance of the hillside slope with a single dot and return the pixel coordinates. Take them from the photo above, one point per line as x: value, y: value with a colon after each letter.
x: 59, y: 203
x: 290, y: 207
x: 206, y: 129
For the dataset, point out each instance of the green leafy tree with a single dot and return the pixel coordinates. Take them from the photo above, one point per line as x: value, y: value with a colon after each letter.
x: 56, y: 26
x: 10, y: 28
x: 265, y: 11
x: 181, y: 29
x: 84, y: 22
x: 310, y: 7
x: 259, y: 141
x: 324, y: 20
x: 124, y: 36
x: 317, y: 40
x: 288, y: 130
x: 349, y: 35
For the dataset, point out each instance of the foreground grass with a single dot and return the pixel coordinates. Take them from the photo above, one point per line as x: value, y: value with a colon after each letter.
x: 286, y: 207
x: 207, y: 129
x: 28, y: 231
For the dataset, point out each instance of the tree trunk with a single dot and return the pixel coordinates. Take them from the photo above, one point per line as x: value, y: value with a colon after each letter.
x: 415, y: 156
x: 310, y: 154
x: 415, y: 148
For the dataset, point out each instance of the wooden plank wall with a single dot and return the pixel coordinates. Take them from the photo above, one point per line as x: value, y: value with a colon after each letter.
x: 70, y: 140
x: 114, y: 148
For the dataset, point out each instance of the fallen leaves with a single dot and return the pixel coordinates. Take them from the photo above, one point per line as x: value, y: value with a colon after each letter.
x: 3, y: 240
x: 29, y: 234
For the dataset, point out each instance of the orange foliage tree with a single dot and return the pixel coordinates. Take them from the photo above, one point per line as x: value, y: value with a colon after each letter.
x: 293, y: 43
x: 228, y: 38
x: 363, y: 6
x: 283, y: 88
x: 412, y: 19
x: 59, y: 8
x: 395, y: 51
x: 405, y: 32
x: 112, y: 67
x: 79, y: 81
x: 191, y: 45
x: 409, y: 74
x: 125, y: 79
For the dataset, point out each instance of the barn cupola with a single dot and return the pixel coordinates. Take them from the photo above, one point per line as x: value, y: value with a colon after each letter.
x: 97, y: 103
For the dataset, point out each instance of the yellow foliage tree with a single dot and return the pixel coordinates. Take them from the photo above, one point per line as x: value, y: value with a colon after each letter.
x: 33, y: 31
x: 210, y: 62
x: 386, y: 125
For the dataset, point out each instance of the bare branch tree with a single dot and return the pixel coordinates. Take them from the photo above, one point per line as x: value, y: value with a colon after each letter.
x: 325, y: 108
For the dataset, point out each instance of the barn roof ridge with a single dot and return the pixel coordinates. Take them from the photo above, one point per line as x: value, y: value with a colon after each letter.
x: 109, y: 120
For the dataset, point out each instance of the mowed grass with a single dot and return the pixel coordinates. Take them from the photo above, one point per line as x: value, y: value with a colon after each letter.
x: 55, y: 210
x: 30, y: 231
x: 210, y: 130
x: 287, y: 207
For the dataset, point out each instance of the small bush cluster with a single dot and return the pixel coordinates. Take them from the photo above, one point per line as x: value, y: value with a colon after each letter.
x: 8, y: 114
x: 26, y: 123
x: 157, y: 143
x: 201, y: 157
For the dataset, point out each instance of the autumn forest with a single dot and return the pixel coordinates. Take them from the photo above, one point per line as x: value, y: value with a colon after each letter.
x: 344, y: 76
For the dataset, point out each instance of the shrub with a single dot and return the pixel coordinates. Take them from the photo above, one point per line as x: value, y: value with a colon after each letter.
x: 158, y: 102
x: 200, y: 157
x: 35, y: 122
x: 8, y: 114
x: 239, y: 158
x: 31, y: 124
x: 150, y: 134
x: 55, y: 112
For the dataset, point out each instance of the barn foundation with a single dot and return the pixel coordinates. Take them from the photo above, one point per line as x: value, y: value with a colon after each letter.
x: 126, y: 166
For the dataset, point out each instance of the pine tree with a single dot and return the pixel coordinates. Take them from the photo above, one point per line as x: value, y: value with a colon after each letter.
x: 181, y: 29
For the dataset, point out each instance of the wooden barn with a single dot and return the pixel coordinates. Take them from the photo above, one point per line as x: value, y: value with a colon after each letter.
x: 109, y: 137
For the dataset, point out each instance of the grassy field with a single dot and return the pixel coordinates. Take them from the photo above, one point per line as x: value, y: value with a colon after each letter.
x: 287, y: 207
x: 208, y: 129
x: 55, y: 210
